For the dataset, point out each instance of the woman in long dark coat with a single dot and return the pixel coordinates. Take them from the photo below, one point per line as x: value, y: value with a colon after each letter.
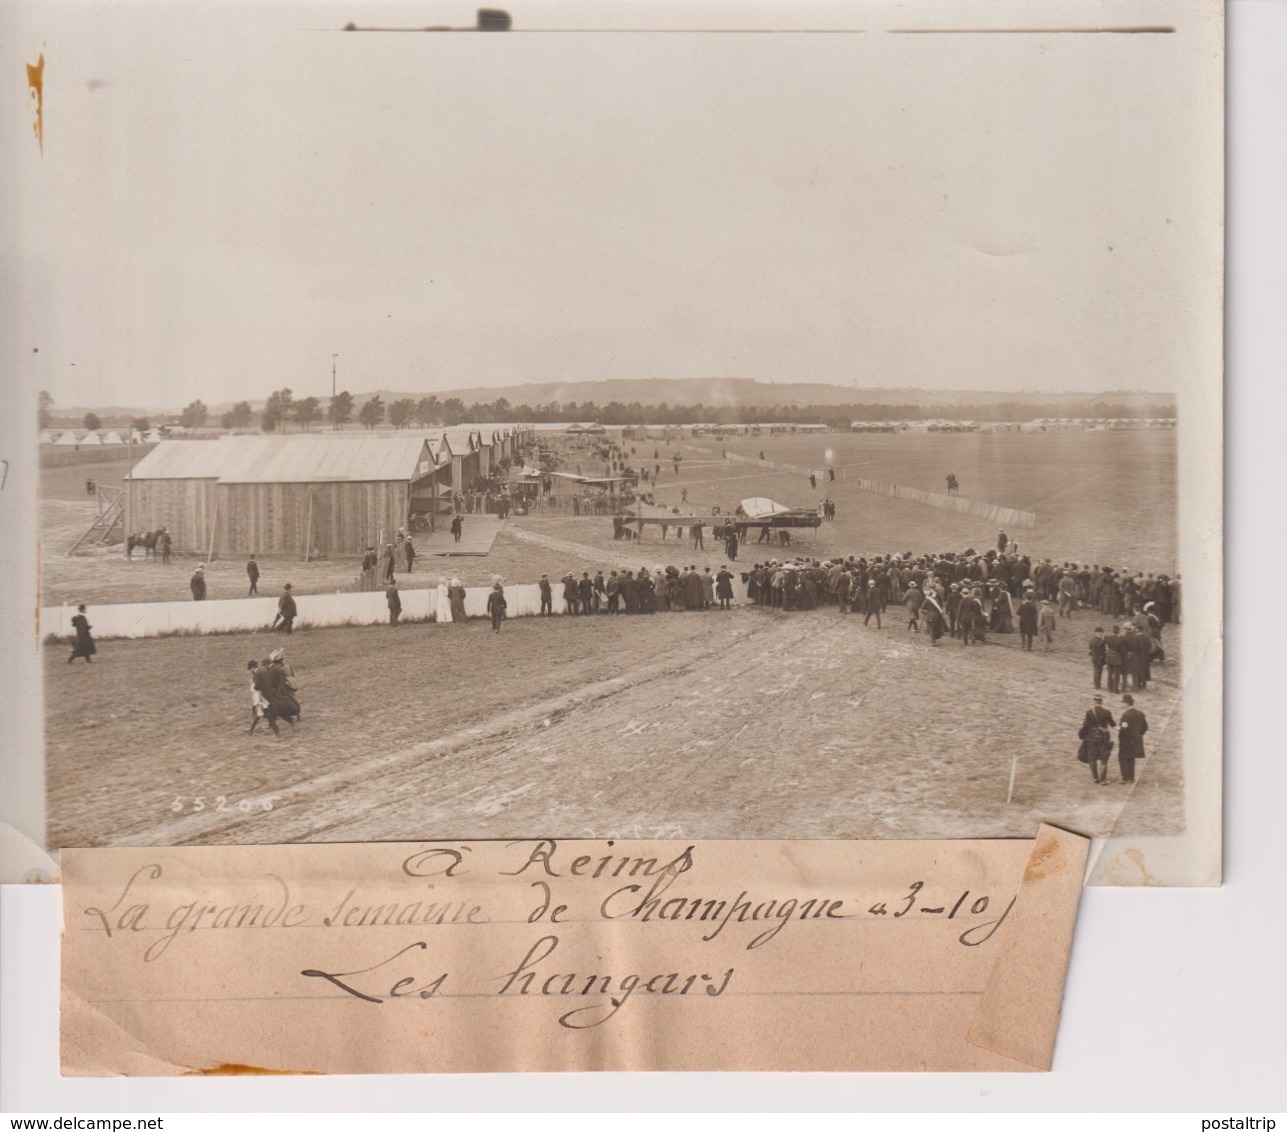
x: 84, y: 643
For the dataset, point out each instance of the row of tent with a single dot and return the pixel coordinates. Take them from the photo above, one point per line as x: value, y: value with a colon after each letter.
x: 79, y: 436
x: 1039, y: 422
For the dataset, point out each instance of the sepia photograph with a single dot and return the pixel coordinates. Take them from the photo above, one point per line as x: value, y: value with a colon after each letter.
x: 694, y: 421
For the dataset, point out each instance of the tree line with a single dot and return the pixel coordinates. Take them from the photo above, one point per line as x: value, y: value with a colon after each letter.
x: 429, y: 412
x: 282, y: 410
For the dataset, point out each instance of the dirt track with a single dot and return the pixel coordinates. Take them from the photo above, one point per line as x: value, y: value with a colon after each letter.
x: 749, y: 723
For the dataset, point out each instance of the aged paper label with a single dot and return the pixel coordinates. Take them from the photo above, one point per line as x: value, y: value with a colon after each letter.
x: 567, y: 955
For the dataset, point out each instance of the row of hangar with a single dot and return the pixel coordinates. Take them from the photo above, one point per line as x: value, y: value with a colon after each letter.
x: 309, y: 494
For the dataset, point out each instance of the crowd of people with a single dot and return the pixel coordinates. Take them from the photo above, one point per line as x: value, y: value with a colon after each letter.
x: 643, y: 591
x: 398, y: 556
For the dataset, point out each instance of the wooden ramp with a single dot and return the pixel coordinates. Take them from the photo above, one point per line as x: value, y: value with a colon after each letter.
x: 475, y: 540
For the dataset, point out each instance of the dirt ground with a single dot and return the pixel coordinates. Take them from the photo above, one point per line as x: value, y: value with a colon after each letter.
x: 1104, y: 497
x: 746, y: 724
x: 750, y: 723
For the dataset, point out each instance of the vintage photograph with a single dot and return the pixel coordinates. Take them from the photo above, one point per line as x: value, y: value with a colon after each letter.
x: 693, y: 422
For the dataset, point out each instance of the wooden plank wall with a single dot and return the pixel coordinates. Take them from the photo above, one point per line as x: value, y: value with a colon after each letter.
x: 263, y: 518
x: 186, y: 507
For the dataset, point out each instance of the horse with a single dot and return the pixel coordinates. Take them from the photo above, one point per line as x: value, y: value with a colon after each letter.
x: 146, y: 541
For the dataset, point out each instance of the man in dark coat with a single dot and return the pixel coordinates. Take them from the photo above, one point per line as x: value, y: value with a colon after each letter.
x: 408, y: 554
x: 252, y: 572
x: 262, y: 706
x: 972, y: 619
x: 1028, y: 622
x: 198, y: 583
x: 1098, y: 654
x: 279, y: 689
x: 1096, y: 741
x: 932, y: 616
x: 872, y: 603
x: 1130, y: 738
x: 394, y: 599
x: 286, y: 610
x: 692, y: 582
x: 570, y: 594
x: 496, y: 606
x: 952, y: 608
x: 1142, y: 646
x: 547, y: 596
x: 1115, y: 658
x: 724, y: 588
x: 585, y: 593
x: 457, y: 526
x: 914, y: 600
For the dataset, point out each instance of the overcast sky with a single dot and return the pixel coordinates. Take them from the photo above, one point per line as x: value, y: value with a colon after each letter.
x: 228, y: 195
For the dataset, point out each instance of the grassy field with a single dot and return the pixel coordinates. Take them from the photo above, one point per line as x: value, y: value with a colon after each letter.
x: 1107, y: 498
x: 742, y: 724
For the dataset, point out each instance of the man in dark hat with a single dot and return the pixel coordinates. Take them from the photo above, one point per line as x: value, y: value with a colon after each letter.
x: 261, y: 707
x: 496, y: 605
x: 1096, y: 741
x: 252, y: 572
x: 952, y: 607
x: 1130, y: 738
x: 547, y: 596
x: 394, y: 600
x: 1028, y: 621
x: 1115, y: 658
x: 1098, y: 653
x: 198, y: 583
x: 872, y: 603
x: 286, y: 610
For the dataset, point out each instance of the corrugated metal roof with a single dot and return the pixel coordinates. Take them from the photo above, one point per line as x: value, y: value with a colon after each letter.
x: 286, y: 459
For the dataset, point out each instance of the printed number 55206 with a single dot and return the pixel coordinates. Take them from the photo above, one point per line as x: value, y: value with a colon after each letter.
x: 219, y: 804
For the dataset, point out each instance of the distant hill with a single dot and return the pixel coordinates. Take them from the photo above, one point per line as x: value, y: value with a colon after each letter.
x: 725, y: 392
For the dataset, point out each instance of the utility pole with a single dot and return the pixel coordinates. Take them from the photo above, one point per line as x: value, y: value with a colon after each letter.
x: 334, y: 424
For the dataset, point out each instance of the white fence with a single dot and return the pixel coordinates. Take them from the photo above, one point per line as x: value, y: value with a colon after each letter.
x: 246, y: 614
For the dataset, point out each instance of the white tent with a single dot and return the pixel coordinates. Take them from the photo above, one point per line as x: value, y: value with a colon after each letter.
x: 68, y: 438
x: 91, y: 437
x: 152, y: 437
x: 112, y: 437
x: 46, y: 437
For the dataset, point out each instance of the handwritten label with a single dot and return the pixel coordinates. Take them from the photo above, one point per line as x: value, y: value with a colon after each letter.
x: 548, y: 955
